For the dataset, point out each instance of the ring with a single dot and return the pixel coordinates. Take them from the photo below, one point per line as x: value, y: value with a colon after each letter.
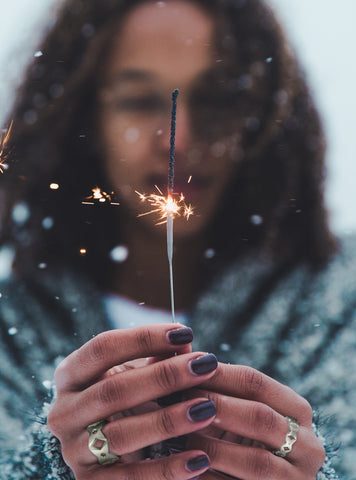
x: 99, y: 445
x: 291, y: 438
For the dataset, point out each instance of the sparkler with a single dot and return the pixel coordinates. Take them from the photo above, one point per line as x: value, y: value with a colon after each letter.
x: 169, y: 207
x: 4, y: 138
x: 170, y: 193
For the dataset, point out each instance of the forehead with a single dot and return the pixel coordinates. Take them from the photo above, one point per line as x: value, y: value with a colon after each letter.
x: 172, y: 40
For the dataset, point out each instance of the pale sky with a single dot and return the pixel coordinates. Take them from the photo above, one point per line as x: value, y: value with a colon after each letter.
x: 321, y: 30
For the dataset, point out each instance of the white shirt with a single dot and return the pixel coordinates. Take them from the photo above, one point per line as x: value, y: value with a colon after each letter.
x: 125, y: 313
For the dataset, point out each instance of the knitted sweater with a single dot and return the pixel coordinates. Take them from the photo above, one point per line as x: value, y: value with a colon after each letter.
x: 296, y: 325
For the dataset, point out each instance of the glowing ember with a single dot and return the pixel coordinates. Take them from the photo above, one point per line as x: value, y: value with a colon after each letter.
x: 164, y: 206
x: 4, y: 138
x: 99, y: 195
x: 189, y: 179
x: 54, y: 186
x: 83, y: 251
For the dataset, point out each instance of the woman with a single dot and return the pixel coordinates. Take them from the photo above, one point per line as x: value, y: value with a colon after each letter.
x: 256, y: 273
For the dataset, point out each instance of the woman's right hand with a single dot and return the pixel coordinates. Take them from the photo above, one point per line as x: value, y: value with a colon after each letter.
x: 86, y: 394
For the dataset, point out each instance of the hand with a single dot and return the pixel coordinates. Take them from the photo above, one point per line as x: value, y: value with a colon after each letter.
x: 91, y: 386
x: 250, y: 424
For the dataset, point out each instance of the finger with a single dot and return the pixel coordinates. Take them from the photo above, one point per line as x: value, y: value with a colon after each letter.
x: 260, y: 423
x: 214, y: 475
x: 244, y: 462
x: 246, y: 382
x: 130, y: 434
x: 250, y: 419
x: 135, y: 387
x: 87, y: 364
x: 183, y: 466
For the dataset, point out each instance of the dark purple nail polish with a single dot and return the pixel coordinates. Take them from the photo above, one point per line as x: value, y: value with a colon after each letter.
x: 205, y: 364
x: 202, y: 411
x: 180, y: 336
x: 197, y: 463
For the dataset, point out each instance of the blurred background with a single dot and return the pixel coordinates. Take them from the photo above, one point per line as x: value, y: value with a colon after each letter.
x: 322, y: 32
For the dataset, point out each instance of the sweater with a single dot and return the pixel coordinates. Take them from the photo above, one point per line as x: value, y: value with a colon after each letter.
x: 292, y: 323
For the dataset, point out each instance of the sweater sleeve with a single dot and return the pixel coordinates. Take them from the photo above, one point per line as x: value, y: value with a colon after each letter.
x: 38, y: 455
x: 327, y: 470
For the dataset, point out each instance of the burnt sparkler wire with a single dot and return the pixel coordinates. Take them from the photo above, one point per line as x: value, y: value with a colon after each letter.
x: 170, y: 192
x: 172, y: 142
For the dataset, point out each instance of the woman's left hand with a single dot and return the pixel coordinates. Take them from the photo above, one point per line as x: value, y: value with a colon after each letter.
x: 251, y: 411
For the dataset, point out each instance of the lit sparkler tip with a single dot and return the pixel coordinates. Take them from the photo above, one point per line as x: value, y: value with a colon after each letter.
x: 165, y: 206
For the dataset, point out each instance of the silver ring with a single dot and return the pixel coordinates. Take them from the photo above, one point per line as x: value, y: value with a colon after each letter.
x: 99, y: 445
x: 291, y: 438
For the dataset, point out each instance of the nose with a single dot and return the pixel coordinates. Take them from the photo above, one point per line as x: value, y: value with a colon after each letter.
x: 182, y: 131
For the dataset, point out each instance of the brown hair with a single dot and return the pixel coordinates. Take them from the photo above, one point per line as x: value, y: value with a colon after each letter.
x: 276, y: 203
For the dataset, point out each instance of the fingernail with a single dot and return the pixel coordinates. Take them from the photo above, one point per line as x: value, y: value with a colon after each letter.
x: 205, y: 364
x: 201, y: 411
x: 180, y: 336
x: 197, y: 463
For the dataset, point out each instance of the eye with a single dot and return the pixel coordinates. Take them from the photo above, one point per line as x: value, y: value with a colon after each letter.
x: 214, y: 99
x: 147, y: 103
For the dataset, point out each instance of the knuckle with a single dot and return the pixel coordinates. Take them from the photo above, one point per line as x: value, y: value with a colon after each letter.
x: 317, y: 453
x: 261, y: 463
x: 263, y: 419
x: 219, y: 402
x: 53, y: 421
x: 109, y: 393
x: 99, y: 347
x: 166, y: 423
x: 59, y: 372
x: 212, y: 450
x: 253, y: 382
x: 144, y: 340
x: 307, y: 409
x: 167, y: 471
x: 167, y: 376
x: 117, y: 438
x: 320, y: 454
x: 130, y: 473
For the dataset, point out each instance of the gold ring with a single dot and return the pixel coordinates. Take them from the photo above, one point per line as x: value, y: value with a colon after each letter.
x: 99, y: 445
x: 291, y: 438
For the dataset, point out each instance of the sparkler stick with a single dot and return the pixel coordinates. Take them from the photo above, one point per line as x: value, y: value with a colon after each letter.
x: 170, y: 193
x: 168, y: 207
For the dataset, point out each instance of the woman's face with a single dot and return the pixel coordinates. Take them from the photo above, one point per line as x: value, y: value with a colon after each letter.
x: 162, y: 46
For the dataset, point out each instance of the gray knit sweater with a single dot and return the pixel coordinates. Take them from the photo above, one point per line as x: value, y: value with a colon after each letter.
x: 296, y: 325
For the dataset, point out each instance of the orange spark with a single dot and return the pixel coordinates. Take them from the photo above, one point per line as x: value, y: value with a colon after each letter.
x: 164, y: 206
x: 101, y: 196
x: 4, y: 138
x: 54, y: 186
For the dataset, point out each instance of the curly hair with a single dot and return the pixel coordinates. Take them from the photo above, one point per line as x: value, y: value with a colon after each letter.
x: 276, y: 203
